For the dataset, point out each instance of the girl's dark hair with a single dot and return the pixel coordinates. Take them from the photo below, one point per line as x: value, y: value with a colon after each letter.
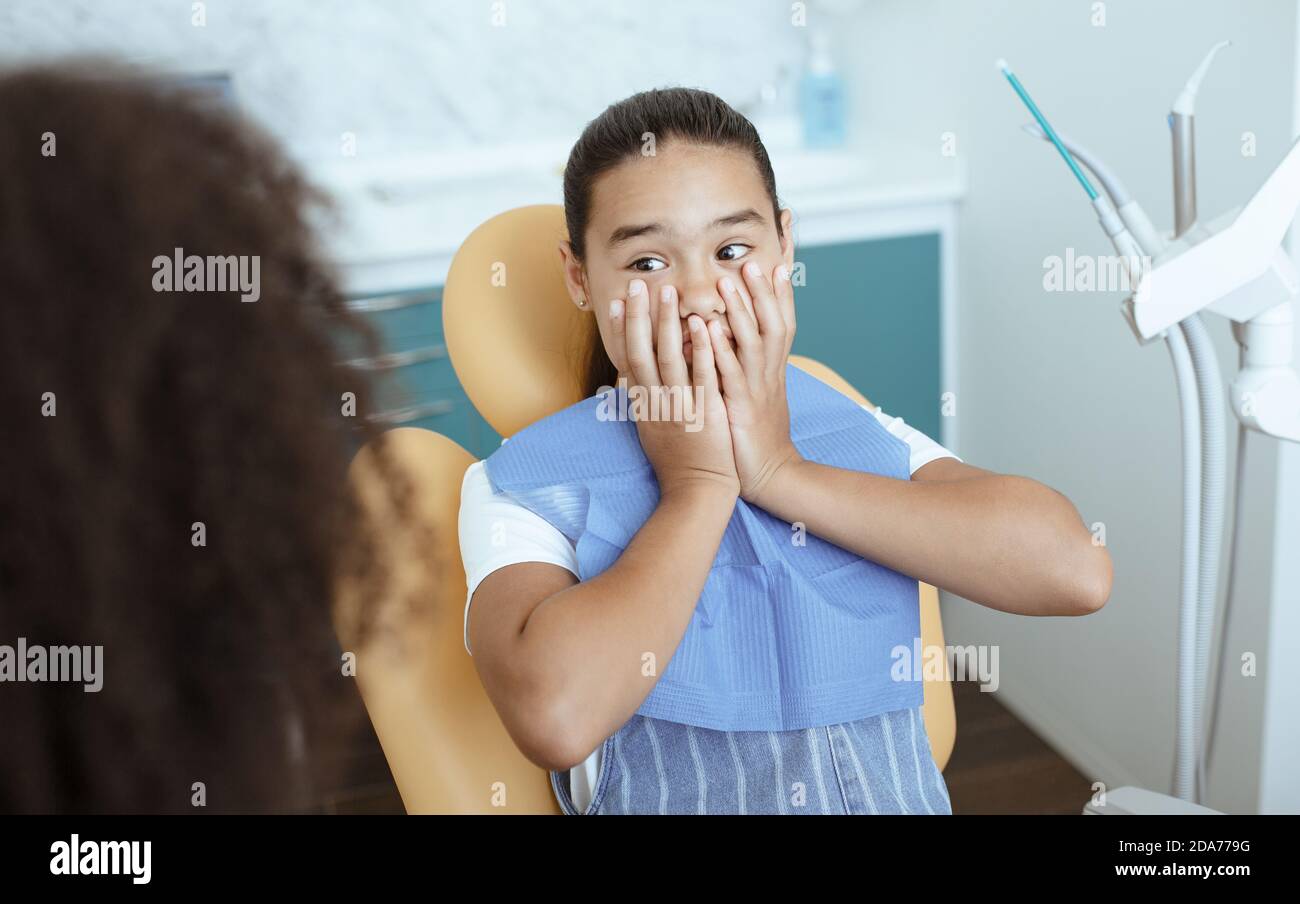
x: 173, y: 469
x: 620, y: 133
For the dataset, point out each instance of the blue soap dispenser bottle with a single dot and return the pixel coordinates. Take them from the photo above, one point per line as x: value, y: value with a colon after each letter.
x: 821, y: 97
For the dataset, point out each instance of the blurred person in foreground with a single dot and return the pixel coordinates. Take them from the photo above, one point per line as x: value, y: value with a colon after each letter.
x: 173, y: 465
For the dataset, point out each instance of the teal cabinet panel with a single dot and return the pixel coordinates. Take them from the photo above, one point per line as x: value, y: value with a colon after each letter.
x: 870, y: 310
x: 422, y: 374
x: 402, y: 321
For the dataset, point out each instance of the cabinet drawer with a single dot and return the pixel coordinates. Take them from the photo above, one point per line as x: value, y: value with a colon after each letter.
x: 413, y: 383
x: 411, y: 377
x: 422, y: 414
x: 403, y: 321
x: 449, y: 416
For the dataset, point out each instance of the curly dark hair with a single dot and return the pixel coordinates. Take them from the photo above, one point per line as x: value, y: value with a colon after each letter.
x: 172, y: 467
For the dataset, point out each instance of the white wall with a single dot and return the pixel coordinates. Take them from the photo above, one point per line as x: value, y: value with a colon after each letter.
x: 416, y: 75
x: 1053, y: 385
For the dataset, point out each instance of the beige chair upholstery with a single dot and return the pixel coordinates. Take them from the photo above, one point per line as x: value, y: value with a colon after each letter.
x: 514, y: 338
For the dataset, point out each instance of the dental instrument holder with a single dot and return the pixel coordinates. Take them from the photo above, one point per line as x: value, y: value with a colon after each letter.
x: 1182, y: 134
x: 1235, y: 267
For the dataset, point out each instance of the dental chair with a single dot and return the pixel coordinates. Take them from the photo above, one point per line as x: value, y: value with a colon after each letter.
x: 515, y: 340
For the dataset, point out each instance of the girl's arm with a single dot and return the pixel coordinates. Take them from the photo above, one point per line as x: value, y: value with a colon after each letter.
x: 566, y: 663
x: 1006, y: 542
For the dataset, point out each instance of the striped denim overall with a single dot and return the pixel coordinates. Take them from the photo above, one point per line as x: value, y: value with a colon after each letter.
x: 880, y: 764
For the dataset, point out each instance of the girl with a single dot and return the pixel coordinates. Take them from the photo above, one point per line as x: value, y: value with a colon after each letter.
x: 672, y: 213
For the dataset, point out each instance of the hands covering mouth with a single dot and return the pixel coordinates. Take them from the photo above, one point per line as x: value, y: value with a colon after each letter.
x: 686, y: 338
x: 745, y: 435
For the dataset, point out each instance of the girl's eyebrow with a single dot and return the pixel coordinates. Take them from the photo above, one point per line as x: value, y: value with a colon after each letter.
x: 627, y: 233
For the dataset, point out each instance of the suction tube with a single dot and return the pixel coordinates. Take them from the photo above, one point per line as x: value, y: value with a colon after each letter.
x: 1209, y: 381
x: 1185, y: 700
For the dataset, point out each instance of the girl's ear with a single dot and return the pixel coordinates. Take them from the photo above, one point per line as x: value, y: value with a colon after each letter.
x: 787, y: 237
x: 574, y: 278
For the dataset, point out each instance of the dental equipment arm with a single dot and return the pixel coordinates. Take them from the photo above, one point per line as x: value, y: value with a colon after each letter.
x: 1235, y: 267
x: 1263, y: 392
x: 1240, y: 270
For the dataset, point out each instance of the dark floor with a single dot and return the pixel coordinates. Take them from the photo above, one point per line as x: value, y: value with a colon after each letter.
x: 998, y: 766
x: 366, y: 786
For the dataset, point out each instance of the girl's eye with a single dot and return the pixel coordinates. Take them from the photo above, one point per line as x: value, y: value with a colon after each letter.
x: 637, y: 264
x: 740, y: 250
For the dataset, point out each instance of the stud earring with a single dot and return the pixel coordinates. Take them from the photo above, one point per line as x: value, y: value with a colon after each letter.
x: 582, y: 302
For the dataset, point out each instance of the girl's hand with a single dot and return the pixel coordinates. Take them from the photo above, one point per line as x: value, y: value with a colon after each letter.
x: 683, y: 429
x: 753, y: 377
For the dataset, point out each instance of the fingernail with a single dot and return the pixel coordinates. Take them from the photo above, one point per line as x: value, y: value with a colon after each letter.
x: 666, y: 294
x: 616, y: 308
x: 783, y: 272
x: 635, y: 287
x: 728, y: 284
x: 751, y: 268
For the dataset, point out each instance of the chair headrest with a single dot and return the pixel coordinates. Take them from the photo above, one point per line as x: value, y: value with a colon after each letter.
x: 516, y: 340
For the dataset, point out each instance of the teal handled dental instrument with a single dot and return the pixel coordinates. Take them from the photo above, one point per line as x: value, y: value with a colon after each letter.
x: 1130, y: 252
x: 1047, y: 128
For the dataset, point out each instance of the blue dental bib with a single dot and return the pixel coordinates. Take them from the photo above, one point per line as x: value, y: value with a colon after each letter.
x: 790, y: 631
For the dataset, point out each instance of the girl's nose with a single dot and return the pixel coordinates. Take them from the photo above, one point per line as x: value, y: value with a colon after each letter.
x: 700, y: 297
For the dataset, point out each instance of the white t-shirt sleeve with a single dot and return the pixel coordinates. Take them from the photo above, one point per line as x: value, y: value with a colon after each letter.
x: 924, y: 449
x: 495, y: 531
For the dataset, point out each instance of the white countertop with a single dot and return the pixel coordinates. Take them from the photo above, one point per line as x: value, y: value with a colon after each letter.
x: 403, y: 218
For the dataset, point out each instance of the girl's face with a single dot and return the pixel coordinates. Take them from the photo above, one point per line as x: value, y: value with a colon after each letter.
x: 687, y: 217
